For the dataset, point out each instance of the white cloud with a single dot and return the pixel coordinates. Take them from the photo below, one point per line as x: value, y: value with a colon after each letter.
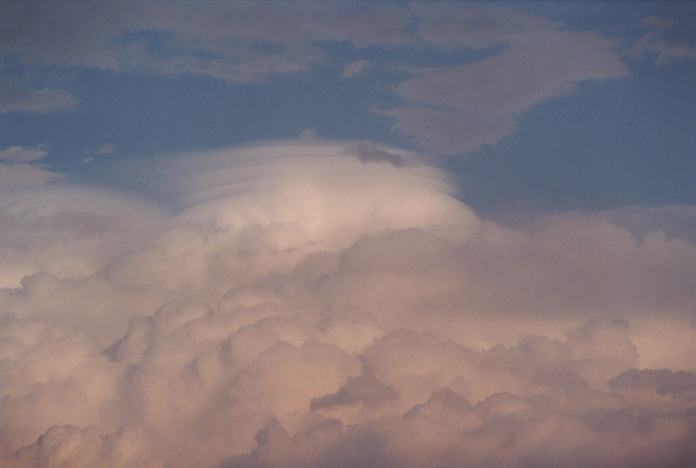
x: 302, y: 308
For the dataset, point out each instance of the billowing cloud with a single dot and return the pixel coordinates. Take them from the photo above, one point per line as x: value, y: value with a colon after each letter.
x: 664, y: 381
x: 295, y: 306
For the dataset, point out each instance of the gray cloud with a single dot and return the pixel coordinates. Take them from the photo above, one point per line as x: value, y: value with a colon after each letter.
x: 654, y: 44
x: 104, y: 150
x: 367, y: 153
x: 354, y: 68
x: 679, y: 384
x: 39, y: 101
x: 459, y: 108
x: 23, y: 154
x: 20, y: 168
x: 451, y: 109
x: 356, y: 390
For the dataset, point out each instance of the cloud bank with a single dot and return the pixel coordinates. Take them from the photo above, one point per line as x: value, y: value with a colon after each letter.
x: 300, y: 305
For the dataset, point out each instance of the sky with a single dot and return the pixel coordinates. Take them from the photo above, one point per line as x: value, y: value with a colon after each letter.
x: 290, y: 234
x: 607, y: 107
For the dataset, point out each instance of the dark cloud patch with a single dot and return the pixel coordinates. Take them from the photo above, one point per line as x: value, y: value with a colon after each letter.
x: 368, y: 153
x: 679, y: 384
x: 356, y: 390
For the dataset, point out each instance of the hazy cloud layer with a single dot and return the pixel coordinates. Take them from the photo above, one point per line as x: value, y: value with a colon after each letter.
x: 237, y: 42
x: 654, y: 43
x: 20, y: 167
x: 474, y: 104
x: 39, y: 101
x: 303, y: 308
x: 454, y: 108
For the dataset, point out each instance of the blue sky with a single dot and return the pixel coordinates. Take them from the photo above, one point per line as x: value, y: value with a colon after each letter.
x: 539, y: 106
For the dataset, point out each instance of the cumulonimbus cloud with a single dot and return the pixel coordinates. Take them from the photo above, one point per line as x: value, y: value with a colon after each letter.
x: 295, y: 306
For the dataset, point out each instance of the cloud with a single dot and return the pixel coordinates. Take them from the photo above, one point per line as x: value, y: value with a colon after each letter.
x: 308, y: 134
x: 104, y: 150
x: 356, y: 390
x: 678, y: 384
x: 448, y: 131
x: 456, y: 109
x: 81, y: 448
x: 294, y: 306
x: 19, y: 168
x: 22, y: 175
x: 39, y: 101
x: 65, y: 232
x: 23, y: 154
x: 240, y: 42
x: 450, y: 109
x: 354, y: 68
x: 654, y: 43
x: 367, y: 153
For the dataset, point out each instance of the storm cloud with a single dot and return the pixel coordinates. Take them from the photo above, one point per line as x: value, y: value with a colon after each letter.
x: 295, y: 306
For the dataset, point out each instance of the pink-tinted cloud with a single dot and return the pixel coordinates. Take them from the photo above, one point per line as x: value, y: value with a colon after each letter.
x: 302, y: 308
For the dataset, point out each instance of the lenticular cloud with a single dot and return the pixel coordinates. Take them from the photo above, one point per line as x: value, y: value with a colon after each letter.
x: 295, y: 304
